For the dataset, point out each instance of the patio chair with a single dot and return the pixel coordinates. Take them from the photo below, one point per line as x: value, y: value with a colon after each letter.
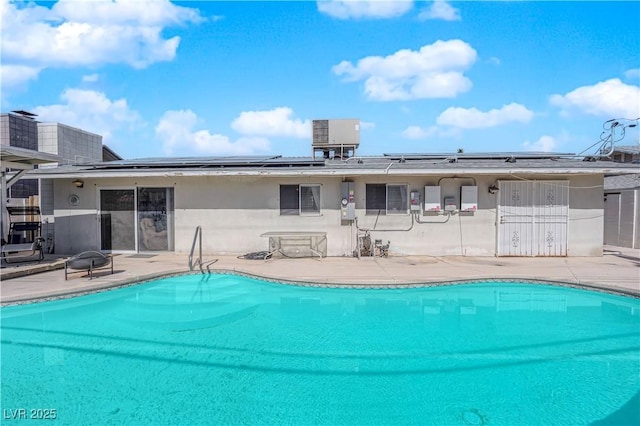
x: 25, y: 239
x: 87, y: 261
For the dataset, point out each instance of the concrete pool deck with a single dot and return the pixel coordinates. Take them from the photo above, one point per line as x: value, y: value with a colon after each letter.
x: 617, y: 270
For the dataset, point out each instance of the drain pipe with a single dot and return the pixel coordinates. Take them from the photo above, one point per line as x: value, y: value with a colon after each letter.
x: 385, y: 230
x: 417, y: 216
x: 386, y: 171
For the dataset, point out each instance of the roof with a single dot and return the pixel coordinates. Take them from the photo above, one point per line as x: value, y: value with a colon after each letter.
x: 389, y: 164
x: 109, y: 155
x: 622, y: 182
x: 24, y: 113
x: 21, y: 158
x: 628, y: 149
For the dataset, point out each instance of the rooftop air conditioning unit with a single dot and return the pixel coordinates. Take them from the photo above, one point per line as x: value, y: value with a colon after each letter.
x: 336, y: 132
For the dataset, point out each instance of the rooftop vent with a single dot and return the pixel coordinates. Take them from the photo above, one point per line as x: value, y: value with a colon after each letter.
x: 25, y: 114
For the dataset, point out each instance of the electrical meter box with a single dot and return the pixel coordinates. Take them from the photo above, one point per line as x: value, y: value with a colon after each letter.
x: 468, y: 198
x: 450, y: 204
x: 414, y: 201
x: 348, y: 201
x: 432, y: 198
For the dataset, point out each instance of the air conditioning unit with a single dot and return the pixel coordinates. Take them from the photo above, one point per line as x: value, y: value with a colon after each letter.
x: 340, y: 132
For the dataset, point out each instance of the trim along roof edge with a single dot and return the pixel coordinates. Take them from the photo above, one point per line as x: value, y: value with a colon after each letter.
x: 328, y: 172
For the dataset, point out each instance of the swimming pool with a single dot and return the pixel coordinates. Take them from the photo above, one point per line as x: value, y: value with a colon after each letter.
x: 225, y: 349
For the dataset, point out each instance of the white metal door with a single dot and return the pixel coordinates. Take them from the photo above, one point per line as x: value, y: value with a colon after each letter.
x: 551, y: 218
x: 533, y: 218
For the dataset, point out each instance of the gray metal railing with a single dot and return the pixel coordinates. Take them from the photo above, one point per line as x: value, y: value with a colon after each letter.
x: 197, y: 237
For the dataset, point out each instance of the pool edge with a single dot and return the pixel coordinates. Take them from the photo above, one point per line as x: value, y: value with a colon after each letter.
x: 285, y: 281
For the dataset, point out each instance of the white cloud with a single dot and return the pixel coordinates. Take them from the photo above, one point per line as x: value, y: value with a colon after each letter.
x: 80, y: 33
x: 610, y: 99
x: 420, y: 133
x: 417, y: 132
x: 90, y: 78
x: 632, y: 74
x: 126, y: 12
x: 367, y: 125
x: 544, y: 144
x: 16, y: 75
x: 472, y: 118
x: 276, y: 122
x: 434, y: 71
x: 440, y: 9
x: 364, y: 9
x: 91, y: 111
x: 176, y: 132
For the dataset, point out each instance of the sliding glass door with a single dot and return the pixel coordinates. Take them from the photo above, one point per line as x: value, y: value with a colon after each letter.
x: 155, y: 219
x: 136, y: 219
x: 117, y: 220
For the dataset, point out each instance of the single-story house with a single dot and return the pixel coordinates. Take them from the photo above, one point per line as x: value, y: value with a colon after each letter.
x: 622, y: 210
x: 505, y: 204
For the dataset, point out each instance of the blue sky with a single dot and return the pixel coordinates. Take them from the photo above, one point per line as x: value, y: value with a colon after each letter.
x: 159, y: 78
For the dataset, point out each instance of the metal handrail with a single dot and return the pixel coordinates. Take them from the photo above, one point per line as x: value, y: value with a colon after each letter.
x: 198, y: 261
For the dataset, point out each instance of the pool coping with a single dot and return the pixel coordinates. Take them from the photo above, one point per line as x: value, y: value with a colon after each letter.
x: 142, y: 279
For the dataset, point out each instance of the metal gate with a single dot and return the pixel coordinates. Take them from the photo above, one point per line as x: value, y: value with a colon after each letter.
x: 532, y: 218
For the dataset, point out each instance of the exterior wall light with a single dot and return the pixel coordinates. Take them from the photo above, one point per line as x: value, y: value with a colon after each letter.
x: 78, y: 183
x: 493, y: 189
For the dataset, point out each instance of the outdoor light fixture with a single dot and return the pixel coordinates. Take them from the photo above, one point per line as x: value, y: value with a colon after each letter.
x: 78, y: 183
x: 493, y: 189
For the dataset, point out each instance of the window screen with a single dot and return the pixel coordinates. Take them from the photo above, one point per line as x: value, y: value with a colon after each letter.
x: 309, y: 198
x: 376, y: 198
x: 289, y: 200
x: 397, y: 199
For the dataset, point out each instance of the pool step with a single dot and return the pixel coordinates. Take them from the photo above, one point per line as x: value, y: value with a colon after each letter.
x: 182, y: 316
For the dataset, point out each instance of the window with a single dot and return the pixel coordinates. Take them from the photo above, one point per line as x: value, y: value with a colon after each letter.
x: 397, y: 199
x: 386, y: 199
x: 376, y: 198
x: 299, y: 199
x: 310, y: 199
x: 289, y: 199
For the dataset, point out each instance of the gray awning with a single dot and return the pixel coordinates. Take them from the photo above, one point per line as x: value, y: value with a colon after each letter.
x: 12, y: 157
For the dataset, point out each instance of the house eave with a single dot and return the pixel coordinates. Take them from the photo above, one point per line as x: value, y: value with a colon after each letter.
x: 90, y: 174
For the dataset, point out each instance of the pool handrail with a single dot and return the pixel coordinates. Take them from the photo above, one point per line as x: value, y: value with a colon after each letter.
x: 197, y: 237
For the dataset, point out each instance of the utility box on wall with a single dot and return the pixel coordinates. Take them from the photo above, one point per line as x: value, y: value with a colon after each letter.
x: 468, y: 198
x: 432, y: 199
x: 348, y: 201
x: 414, y: 201
x: 450, y: 204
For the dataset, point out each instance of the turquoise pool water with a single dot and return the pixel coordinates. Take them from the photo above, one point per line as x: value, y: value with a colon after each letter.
x: 230, y: 350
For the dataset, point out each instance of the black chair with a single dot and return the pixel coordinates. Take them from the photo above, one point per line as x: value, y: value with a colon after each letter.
x: 25, y: 239
x: 87, y: 261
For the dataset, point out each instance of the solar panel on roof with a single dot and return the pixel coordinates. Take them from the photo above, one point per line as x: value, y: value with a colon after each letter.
x: 25, y: 113
x: 480, y: 155
x: 230, y: 161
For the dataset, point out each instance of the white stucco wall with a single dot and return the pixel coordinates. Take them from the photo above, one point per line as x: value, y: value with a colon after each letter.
x: 586, y: 215
x: 234, y: 211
